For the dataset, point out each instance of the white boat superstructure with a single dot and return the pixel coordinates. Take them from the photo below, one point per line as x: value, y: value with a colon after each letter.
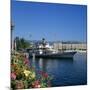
x: 45, y: 50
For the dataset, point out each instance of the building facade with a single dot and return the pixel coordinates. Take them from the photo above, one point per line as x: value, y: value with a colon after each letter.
x: 69, y: 46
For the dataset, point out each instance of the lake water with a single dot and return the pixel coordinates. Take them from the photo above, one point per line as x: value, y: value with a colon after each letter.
x: 65, y: 72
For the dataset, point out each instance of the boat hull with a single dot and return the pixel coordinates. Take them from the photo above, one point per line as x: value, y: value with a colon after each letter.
x: 58, y: 55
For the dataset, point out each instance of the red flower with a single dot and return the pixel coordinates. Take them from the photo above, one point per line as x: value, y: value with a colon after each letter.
x: 13, y: 75
x: 45, y: 75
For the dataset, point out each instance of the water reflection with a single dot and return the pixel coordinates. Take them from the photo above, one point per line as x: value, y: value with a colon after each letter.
x: 64, y: 71
x: 49, y: 64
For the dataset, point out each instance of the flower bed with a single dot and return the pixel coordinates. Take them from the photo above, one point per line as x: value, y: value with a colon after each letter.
x: 23, y: 76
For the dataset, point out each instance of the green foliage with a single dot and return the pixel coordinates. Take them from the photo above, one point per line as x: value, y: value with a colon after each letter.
x: 23, y: 76
x: 21, y: 43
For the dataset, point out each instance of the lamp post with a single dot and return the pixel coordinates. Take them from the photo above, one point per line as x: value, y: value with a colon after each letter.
x: 12, y: 26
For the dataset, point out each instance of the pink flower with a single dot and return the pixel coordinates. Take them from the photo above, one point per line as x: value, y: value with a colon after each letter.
x: 19, y: 85
x: 45, y: 75
x: 36, y: 84
x: 26, y: 61
x: 13, y: 76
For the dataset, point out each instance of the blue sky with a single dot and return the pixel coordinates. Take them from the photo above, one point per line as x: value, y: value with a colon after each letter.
x: 33, y: 21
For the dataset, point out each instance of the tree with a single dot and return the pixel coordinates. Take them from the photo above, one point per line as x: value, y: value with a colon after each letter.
x: 21, y: 43
x: 24, y: 44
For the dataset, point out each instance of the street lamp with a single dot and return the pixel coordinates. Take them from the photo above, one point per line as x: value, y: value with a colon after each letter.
x: 12, y: 27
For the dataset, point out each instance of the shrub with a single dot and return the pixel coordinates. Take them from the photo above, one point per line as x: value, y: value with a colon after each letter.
x: 24, y: 76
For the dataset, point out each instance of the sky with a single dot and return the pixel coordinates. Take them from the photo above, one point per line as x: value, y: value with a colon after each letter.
x: 54, y: 22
